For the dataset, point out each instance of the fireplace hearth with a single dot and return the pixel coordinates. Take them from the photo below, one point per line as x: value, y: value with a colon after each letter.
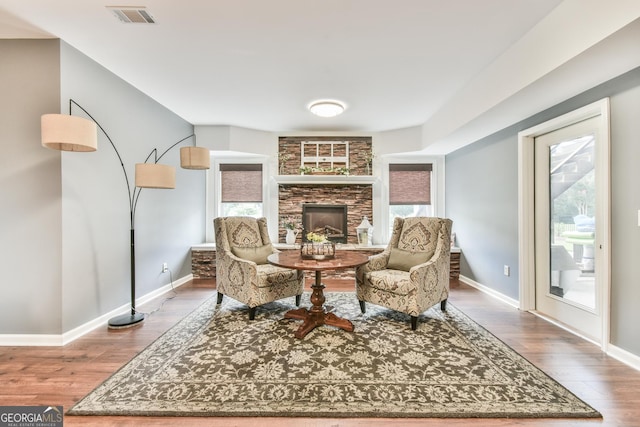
x: 330, y: 220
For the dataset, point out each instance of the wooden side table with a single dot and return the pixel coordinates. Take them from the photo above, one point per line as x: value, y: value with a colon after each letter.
x: 317, y: 315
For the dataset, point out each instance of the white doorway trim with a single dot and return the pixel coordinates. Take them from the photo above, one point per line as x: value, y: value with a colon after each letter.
x: 526, y: 218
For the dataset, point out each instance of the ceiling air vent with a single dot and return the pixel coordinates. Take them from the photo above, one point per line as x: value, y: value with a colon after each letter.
x: 132, y: 14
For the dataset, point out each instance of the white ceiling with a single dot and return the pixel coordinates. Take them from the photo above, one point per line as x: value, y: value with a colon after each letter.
x: 258, y: 64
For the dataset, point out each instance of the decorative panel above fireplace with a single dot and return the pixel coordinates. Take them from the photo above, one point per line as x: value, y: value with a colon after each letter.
x: 330, y: 220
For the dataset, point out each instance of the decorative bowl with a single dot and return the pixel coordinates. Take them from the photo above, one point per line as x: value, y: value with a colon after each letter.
x: 317, y: 251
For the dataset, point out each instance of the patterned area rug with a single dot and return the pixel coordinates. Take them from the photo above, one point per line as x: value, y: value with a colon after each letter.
x: 218, y: 363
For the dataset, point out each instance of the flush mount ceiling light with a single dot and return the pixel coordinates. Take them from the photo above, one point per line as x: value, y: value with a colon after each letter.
x: 326, y: 108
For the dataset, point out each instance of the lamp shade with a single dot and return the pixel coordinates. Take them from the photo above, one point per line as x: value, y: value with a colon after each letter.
x: 155, y: 175
x: 68, y: 133
x: 195, y: 158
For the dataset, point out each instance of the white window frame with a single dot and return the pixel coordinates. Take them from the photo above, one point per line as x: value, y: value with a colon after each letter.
x: 214, y: 189
x: 437, y: 189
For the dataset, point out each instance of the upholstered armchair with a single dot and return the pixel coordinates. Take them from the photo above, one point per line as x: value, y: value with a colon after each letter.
x: 242, y: 270
x: 412, y: 274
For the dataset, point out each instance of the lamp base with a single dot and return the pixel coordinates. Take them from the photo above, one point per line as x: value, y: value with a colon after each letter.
x: 125, y: 321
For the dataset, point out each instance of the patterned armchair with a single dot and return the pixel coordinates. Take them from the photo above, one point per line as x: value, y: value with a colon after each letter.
x: 242, y: 271
x: 412, y: 274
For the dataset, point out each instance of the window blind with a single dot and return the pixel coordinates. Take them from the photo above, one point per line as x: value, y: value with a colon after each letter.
x: 241, y: 182
x: 410, y: 183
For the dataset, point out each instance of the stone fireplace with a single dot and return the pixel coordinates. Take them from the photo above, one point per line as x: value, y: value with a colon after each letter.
x: 357, y: 200
x: 330, y: 220
x: 326, y: 158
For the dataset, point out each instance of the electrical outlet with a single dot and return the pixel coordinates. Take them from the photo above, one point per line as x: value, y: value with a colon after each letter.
x: 165, y: 267
x: 507, y: 270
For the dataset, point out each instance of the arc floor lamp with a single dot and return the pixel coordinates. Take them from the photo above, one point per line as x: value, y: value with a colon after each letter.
x: 72, y: 133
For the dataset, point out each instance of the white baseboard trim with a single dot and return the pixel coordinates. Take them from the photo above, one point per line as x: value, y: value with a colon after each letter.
x: 624, y: 356
x: 18, y: 340
x: 30, y: 340
x: 491, y: 292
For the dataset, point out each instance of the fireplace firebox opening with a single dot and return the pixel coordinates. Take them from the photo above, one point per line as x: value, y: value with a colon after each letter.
x: 330, y: 220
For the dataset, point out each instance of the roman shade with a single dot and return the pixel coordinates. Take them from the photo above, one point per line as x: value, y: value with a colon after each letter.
x: 241, y: 182
x: 410, y: 183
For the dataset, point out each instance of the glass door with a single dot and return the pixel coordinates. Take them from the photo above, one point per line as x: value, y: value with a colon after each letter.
x: 566, y: 208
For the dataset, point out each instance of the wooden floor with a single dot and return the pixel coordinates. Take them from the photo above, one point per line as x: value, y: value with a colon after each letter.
x: 63, y: 375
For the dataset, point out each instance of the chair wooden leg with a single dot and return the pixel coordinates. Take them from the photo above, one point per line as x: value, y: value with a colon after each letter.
x: 363, y: 309
x: 220, y: 296
x: 298, y: 298
x: 443, y: 304
x: 252, y: 313
x: 414, y: 322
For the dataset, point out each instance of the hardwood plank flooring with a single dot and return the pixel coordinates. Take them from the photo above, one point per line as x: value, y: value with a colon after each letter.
x: 63, y: 375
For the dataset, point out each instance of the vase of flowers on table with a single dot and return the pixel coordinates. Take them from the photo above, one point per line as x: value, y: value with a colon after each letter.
x: 290, y: 224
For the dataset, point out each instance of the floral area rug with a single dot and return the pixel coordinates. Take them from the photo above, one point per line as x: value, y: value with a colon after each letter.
x: 216, y: 362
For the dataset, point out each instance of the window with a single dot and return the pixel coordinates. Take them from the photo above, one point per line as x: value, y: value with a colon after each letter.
x: 241, y: 189
x: 409, y: 190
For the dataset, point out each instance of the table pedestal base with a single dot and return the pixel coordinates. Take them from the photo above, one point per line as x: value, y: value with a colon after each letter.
x: 316, y: 315
x: 313, y: 319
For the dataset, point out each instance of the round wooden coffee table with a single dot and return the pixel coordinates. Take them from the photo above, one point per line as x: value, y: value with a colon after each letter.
x: 317, y: 315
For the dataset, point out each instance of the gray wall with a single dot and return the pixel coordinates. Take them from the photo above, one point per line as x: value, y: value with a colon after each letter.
x: 482, y: 193
x: 96, y: 224
x: 625, y: 204
x: 481, y: 197
x: 30, y: 190
x: 65, y: 217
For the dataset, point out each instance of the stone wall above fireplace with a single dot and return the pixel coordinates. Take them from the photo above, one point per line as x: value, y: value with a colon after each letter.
x: 292, y: 152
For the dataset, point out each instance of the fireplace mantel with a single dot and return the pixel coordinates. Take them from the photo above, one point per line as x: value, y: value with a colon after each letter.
x: 326, y: 179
